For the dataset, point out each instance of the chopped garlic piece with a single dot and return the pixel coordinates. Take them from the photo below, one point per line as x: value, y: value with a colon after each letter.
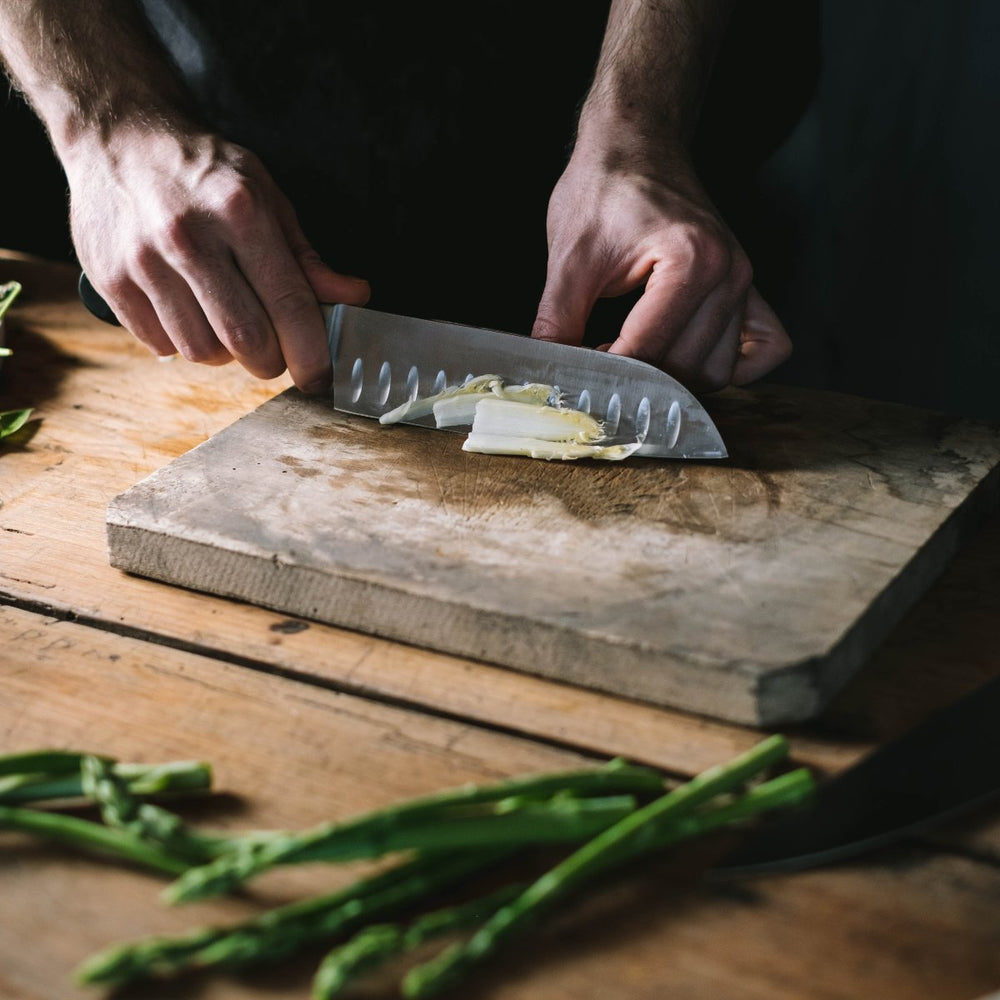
x: 531, y: 447
x: 423, y: 406
x: 531, y: 420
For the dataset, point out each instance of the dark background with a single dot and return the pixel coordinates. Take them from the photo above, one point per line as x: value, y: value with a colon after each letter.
x: 855, y: 149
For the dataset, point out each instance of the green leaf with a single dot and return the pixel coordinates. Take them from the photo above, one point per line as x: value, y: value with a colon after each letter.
x: 12, y: 421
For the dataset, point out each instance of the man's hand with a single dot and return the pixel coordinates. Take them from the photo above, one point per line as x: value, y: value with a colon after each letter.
x: 629, y: 211
x: 185, y: 235
x: 618, y: 228
x: 196, y: 250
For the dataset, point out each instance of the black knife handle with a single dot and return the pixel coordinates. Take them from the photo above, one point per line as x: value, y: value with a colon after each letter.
x: 95, y: 304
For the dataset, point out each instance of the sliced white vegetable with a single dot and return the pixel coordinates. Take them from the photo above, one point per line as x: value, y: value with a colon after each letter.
x: 531, y: 447
x: 532, y: 392
x: 526, y: 420
x: 530, y: 420
x: 456, y: 411
x: 424, y: 406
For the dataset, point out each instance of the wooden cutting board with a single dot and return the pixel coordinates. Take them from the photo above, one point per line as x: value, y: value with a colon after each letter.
x: 749, y: 589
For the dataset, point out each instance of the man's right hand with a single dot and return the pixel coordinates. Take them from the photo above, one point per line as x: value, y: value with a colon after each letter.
x: 185, y: 235
x: 196, y: 250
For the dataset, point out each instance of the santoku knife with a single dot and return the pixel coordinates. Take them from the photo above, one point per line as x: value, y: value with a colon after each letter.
x: 943, y: 768
x: 380, y: 360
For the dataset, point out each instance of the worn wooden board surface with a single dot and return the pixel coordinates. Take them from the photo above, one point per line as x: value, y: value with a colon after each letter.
x: 913, y: 923
x: 108, y: 413
x: 749, y: 590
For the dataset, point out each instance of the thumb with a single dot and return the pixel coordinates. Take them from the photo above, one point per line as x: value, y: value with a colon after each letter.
x: 563, y: 309
x: 764, y: 343
x: 327, y: 285
x: 330, y: 285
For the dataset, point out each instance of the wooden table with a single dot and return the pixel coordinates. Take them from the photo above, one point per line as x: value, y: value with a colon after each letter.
x: 304, y: 722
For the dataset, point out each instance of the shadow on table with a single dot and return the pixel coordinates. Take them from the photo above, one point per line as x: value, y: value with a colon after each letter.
x: 35, y: 372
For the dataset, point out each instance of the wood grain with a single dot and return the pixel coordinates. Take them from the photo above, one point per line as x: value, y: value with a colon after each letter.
x: 749, y: 591
x: 913, y: 925
x: 109, y: 414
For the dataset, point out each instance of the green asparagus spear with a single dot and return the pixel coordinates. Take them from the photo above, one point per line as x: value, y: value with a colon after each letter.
x: 83, y: 833
x: 121, y: 809
x: 55, y: 774
x: 653, y: 827
x: 410, y: 823
x: 556, y: 821
x: 51, y: 762
x: 377, y: 943
x: 280, y: 932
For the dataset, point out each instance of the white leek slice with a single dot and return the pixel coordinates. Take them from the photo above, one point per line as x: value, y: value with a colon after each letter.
x: 459, y: 410
x: 531, y: 392
x: 531, y: 420
x: 532, y: 447
x: 456, y: 411
x: 423, y: 406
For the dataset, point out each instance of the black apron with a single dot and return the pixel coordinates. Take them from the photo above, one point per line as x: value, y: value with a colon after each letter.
x: 420, y: 143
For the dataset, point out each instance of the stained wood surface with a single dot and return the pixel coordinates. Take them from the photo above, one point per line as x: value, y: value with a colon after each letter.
x: 297, y: 716
x: 108, y: 414
x: 749, y: 591
x: 916, y: 924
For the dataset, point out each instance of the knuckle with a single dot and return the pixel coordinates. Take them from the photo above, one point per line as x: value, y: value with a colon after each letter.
x: 235, y: 202
x: 117, y: 287
x: 696, y: 250
x: 145, y: 261
x: 203, y: 352
x: 546, y: 327
x: 306, y: 255
x: 177, y: 235
x: 244, y: 339
x: 741, y: 272
x: 714, y: 261
x: 293, y: 305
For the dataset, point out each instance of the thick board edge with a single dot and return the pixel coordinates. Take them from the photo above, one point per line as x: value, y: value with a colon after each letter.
x: 796, y: 685
x: 539, y: 648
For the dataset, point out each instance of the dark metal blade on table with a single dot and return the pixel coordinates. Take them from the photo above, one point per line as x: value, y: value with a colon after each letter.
x: 381, y: 360
x: 944, y: 767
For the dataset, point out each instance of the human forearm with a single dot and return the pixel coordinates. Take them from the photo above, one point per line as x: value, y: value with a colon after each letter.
x: 631, y: 212
x: 89, y: 70
x: 184, y: 233
x: 653, y: 69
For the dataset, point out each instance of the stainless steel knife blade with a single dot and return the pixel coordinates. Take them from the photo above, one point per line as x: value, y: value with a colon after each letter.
x: 381, y: 360
x: 944, y: 767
